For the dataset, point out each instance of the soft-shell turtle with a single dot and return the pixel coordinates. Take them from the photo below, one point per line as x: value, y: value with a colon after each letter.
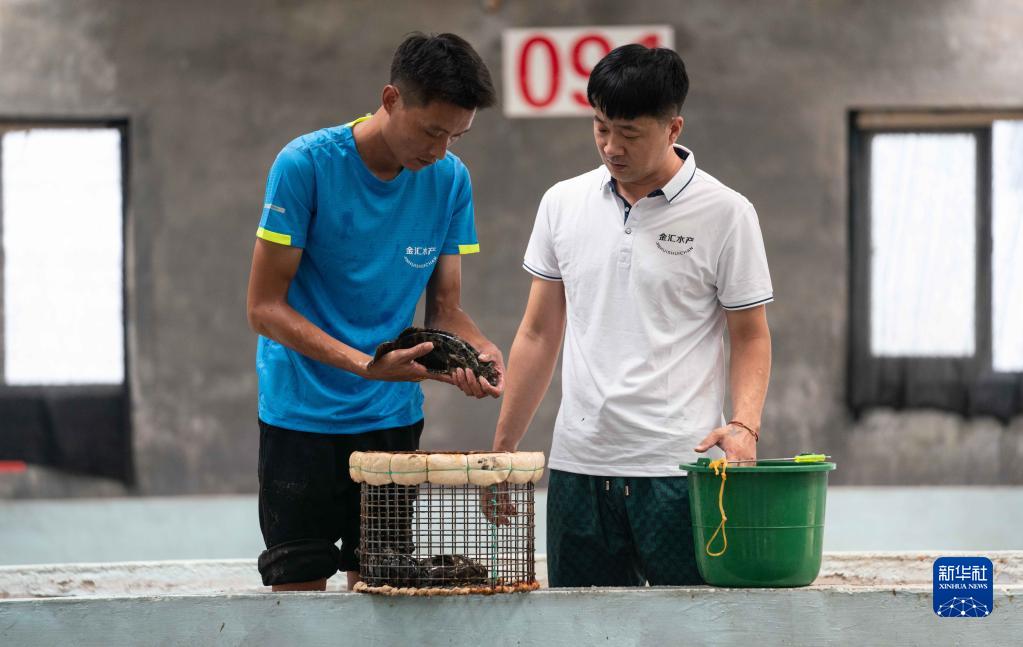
x: 391, y: 567
x: 449, y: 352
x: 447, y: 570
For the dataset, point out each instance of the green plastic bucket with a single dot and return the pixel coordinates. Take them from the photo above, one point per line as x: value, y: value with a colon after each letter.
x: 774, y: 527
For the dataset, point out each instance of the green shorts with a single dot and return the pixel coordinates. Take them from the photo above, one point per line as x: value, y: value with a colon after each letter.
x: 619, y: 531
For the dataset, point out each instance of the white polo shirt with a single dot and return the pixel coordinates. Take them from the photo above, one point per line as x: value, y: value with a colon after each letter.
x: 643, y: 372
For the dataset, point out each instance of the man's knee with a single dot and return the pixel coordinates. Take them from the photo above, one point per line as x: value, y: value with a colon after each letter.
x: 298, y: 561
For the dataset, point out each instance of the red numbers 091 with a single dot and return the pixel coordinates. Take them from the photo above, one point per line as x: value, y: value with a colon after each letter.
x: 540, y: 90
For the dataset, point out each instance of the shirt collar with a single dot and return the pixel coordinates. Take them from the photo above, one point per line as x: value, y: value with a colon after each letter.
x: 674, y: 187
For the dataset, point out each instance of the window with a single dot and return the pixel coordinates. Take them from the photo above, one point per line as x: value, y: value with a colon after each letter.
x: 936, y: 317
x: 63, y: 393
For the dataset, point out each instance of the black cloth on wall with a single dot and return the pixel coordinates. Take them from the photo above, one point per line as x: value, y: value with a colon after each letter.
x: 954, y: 385
x: 85, y: 430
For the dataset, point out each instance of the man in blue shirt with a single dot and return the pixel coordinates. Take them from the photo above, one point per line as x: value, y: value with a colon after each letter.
x: 358, y: 221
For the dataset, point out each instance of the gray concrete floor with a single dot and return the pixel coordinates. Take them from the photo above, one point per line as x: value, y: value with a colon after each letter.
x: 858, y: 570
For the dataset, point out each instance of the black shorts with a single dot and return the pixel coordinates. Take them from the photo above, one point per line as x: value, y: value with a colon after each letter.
x: 619, y: 531
x: 308, y: 501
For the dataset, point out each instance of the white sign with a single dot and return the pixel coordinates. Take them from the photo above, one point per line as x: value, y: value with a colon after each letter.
x: 546, y: 69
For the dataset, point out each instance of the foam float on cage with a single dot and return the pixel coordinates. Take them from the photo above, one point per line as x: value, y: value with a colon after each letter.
x: 376, y: 468
x: 527, y: 467
x: 408, y: 469
x: 448, y: 469
x: 355, y: 466
x: 489, y: 469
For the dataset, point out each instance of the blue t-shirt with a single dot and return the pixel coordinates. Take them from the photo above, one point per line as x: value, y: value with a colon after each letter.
x: 369, y: 248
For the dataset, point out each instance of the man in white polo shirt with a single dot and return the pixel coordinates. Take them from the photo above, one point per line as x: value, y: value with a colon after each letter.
x: 641, y: 264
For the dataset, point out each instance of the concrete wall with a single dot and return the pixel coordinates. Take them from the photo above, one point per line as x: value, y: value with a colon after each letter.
x: 651, y: 616
x: 213, y: 90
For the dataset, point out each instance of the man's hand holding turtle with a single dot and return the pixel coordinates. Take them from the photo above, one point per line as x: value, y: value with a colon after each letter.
x: 400, y: 366
x: 475, y: 385
x: 420, y: 353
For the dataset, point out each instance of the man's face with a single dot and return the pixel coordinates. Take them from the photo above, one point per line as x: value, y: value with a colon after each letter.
x: 421, y: 135
x: 634, y: 149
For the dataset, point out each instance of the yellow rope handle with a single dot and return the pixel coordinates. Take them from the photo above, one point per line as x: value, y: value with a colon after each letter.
x: 722, y: 464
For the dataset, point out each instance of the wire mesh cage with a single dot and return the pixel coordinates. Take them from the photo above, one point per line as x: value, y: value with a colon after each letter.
x: 443, y: 524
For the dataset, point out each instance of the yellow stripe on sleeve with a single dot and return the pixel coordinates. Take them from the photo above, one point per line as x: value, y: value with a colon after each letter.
x: 469, y: 249
x: 273, y: 236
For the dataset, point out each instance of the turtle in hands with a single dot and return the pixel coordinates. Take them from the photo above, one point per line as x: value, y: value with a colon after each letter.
x: 449, y: 352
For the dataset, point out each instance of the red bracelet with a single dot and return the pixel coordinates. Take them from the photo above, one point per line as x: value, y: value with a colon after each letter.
x: 756, y: 436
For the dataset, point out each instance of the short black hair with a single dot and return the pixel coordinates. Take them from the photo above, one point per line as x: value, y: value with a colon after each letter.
x: 442, y: 67
x: 635, y: 81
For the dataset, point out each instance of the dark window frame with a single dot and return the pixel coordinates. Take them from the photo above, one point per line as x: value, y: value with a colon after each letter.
x: 83, y: 428
x: 967, y: 385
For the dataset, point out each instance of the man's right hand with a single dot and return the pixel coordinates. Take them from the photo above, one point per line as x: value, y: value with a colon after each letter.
x: 400, y: 366
x: 496, y: 504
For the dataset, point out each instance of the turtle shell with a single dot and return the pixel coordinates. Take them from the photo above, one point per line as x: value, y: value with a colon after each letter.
x: 447, y: 570
x: 449, y: 352
x: 392, y: 567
